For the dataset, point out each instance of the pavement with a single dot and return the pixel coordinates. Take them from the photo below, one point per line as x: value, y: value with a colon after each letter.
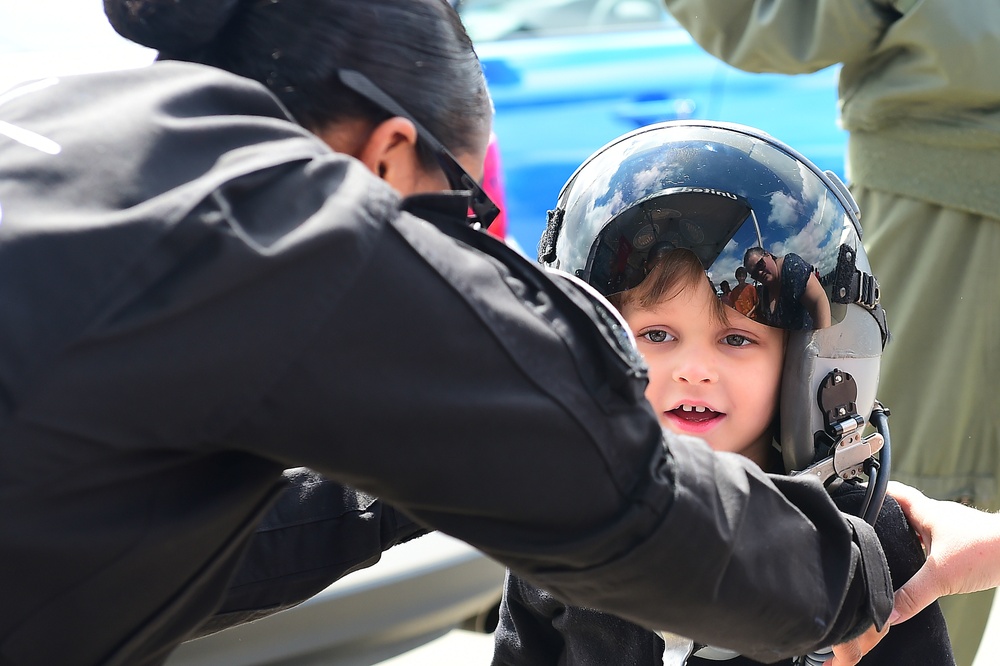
x: 464, y: 648
x: 456, y: 648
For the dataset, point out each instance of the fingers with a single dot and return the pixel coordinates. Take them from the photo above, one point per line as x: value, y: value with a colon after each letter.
x: 845, y: 654
x: 851, y: 652
x: 922, y: 589
x: 910, y: 501
x: 916, y: 594
x: 907, y: 496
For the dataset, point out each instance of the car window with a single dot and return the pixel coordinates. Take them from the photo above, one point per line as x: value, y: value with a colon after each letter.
x: 492, y: 20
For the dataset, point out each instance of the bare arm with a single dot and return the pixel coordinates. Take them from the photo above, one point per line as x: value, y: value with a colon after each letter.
x: 815, y: 300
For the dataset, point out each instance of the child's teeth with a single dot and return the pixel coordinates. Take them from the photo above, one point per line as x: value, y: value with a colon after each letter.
x: 699, y: 409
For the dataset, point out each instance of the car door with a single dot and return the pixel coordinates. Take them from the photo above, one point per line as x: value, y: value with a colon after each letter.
x: 567, y: 76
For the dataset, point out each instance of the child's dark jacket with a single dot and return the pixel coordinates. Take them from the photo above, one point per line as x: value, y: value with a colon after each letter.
x: 537, y: 630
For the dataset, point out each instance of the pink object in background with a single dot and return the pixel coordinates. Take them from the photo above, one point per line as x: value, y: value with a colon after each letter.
x: 493, y: 186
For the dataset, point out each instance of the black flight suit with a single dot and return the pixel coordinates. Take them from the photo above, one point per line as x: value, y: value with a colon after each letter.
x: 317, y: 532
x: 196, y: 294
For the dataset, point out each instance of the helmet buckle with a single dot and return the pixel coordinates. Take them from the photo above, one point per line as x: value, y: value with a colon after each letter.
x: 868, y: 294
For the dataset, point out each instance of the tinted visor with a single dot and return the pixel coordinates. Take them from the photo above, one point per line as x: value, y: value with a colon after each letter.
x: 703, y: 224
x: 757, y: 215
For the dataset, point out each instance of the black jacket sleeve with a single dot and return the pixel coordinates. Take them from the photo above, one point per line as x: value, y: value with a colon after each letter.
x: 317, y: 532
x: 506, y: 415
x: 242, y: 301
x: 536, y: 629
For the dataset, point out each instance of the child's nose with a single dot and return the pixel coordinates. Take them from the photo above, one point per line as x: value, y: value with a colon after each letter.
x: 696, y: 371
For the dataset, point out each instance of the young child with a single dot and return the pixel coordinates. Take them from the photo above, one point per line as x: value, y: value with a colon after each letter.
x: 713, y: 372
x: 744, y: 294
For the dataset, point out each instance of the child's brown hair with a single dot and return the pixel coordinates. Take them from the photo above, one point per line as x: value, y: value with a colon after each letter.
x: 667, y: 273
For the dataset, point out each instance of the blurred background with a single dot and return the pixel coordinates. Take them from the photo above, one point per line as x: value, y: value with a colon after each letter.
x: 566, y: 76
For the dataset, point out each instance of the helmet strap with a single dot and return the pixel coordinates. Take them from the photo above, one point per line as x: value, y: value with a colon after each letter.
x: 547, y: 243
x: 852, y: 285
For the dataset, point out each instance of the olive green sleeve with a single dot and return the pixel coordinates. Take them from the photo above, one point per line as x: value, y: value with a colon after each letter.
x: 786, y: 36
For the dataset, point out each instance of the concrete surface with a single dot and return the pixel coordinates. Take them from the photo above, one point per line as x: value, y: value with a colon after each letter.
x: 463, y: 648
x: 456, y: 648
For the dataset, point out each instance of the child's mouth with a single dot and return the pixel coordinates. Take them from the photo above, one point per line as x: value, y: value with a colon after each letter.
x: 688, y: 417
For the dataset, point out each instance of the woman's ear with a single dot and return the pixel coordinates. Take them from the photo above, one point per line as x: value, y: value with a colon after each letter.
x: 390, y: 152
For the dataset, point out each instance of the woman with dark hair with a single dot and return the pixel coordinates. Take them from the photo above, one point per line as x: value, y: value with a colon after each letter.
x: 790, y: 294
x: 418, y: 53
x: 256, y: 255
x: 298, y: 53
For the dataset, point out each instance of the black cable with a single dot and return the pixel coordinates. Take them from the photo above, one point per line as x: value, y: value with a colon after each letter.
x: 878, y: 471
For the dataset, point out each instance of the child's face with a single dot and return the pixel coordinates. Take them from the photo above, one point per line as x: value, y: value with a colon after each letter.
x: 716, y: 380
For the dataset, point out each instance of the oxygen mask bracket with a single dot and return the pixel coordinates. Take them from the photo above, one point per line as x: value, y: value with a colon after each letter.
x: 843, y: 452
x: 848, y: 460
x: 848, y: 455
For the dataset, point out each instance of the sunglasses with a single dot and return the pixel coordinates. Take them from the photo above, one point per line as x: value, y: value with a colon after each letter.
x: 482, y: 210
x: 758, y: 268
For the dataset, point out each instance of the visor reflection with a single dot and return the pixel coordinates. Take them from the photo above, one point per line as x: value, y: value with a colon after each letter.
x: 756, y: 274
x: 789, y: 292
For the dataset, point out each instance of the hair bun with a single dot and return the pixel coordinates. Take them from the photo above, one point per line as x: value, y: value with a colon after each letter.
x: 174, y: 27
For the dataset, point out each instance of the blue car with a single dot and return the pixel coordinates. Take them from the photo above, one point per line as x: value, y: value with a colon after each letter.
x: 568, y: 76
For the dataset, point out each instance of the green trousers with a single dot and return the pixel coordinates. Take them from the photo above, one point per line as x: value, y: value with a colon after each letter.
x: 939, y: 272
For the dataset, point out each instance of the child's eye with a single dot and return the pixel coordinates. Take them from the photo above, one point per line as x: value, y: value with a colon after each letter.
x: 657, y: 335
x: 737, y: 340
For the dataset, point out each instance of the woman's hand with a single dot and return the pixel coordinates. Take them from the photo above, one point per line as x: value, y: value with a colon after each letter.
x: 962, y: 546
x: 851, y: 652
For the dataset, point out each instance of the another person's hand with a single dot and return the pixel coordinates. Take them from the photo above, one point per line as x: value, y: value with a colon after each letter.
x: 851, y: 652
x: 962, y: 546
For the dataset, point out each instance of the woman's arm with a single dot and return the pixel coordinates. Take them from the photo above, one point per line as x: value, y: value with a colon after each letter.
x: 815, y: 300
x: 317, y: 532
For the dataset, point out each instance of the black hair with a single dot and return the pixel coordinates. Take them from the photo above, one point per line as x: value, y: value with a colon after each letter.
x: 755, y: 252
x: 417, y: 51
